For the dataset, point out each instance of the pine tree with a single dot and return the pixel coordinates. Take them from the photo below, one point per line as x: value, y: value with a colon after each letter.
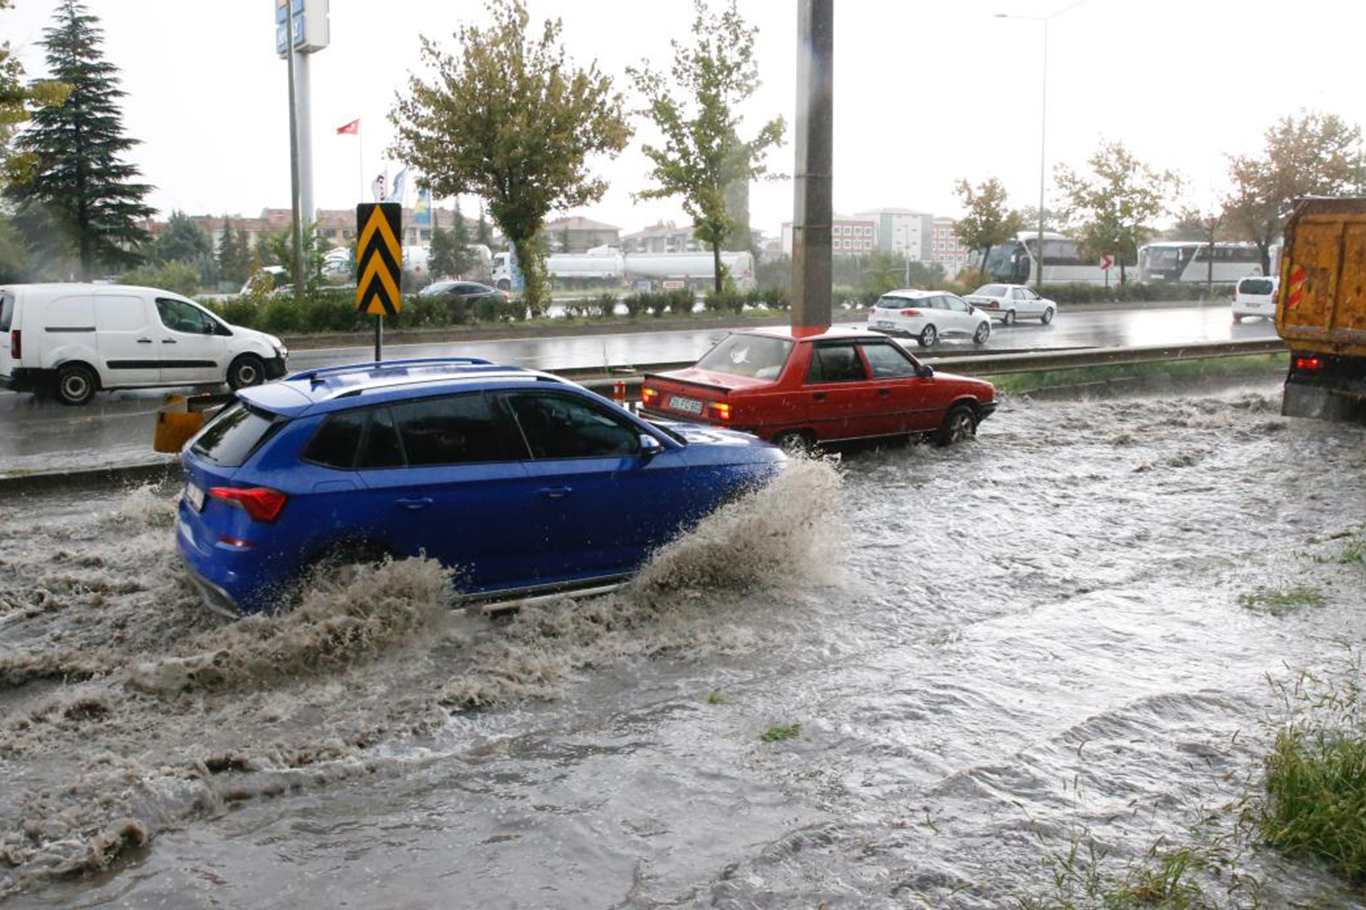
x: 79, y: 183
x: 233, y: 257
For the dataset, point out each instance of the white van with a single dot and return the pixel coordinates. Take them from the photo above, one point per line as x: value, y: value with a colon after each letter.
x: 1254, y: 296
x: 76, y: 339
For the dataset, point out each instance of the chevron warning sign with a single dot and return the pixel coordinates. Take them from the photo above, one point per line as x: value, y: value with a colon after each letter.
x: 379, y: 258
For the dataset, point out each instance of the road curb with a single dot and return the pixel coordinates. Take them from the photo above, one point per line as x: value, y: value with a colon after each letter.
x: 148, y: 472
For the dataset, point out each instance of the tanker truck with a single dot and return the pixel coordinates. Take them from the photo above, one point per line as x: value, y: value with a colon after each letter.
x: 609, y: 267
x: 1321, y: 308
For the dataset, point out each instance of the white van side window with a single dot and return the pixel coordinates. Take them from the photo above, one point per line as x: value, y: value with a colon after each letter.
x: 71, y: 314
x: 6, y: 312
x: 120, y: 313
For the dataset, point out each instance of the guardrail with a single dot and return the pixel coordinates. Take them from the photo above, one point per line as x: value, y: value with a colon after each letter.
x: 987, y: 364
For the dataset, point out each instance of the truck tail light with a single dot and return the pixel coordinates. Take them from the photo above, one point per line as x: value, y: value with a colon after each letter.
x: 910, y: 312
x: 16, y: 344
x: 721, y: 410
x: 649, y: 396
x: 1308, y: 363
x: 261, y: 503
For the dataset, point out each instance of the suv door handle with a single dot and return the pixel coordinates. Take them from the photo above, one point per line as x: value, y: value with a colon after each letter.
x: 415, y: 503
x: 555, y: 492
x: 144, y: 341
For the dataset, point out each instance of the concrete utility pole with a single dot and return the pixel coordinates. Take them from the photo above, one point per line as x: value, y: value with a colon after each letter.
x: 812, y: 208
x: 298, y: 277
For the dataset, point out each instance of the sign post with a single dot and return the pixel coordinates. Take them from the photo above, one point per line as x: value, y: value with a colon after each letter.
x: 379, y: 263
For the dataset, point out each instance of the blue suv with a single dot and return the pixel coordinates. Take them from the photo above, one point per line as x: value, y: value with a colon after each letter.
x: 522, y: 482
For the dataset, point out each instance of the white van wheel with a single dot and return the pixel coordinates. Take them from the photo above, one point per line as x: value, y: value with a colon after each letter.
x: 76, y: 384
x: 247, y: 370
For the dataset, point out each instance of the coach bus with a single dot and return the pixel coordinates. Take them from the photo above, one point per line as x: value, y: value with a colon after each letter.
x: 1016, y: 261
x: 1189, y: 261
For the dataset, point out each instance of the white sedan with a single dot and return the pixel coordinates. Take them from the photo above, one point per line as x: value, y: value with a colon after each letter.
x: 927, y: 316
x: 1008, y: 302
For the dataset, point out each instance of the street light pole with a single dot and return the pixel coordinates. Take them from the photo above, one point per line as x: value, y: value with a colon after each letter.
x: 298, y: 277
x: 1043, y: 125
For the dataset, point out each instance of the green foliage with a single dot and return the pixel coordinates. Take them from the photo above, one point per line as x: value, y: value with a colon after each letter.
x: 509, y: 118
x: 234, y: 256
x: 986, y: 221
x: 179, y: 277
x: 17, y: 103
x: 604, y: 306
x: 727, y: 301
x: 76, y: 191
x: 780, y: 732
x: 716, y: 698
x: 281, y: 251
x: 1282, y: 602
x: 181, y: 241
x: 703, y: 156
x: 1313, y: 155
x: 1315, y: 804
x: 1112, y: 208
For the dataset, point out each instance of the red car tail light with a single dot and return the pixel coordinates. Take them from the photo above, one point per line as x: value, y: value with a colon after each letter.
x: 721, y: 410
x: 649, y: 396
x: 1308, y: 363
x: 16, y: 344
x: 261, y: 503
x: 910, y: 312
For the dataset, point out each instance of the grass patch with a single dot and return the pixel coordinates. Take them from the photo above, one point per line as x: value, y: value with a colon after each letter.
x: 716, y: 698
x: 1283, y: 602
x: 1171, y: 370
x: 1315, y: 803
x: 779, y: 732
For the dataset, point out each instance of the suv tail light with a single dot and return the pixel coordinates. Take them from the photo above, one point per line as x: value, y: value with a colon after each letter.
x: 16, y: 344
x: 910, y: 312
x: 261, y: 503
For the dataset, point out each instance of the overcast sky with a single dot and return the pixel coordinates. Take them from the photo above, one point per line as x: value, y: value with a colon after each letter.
x: 925, y: 92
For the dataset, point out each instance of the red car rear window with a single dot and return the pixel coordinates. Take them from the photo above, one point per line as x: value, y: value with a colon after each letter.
x: 755, y: 356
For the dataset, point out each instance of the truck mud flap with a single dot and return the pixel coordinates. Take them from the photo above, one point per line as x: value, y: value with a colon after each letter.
x: 1303, y: 400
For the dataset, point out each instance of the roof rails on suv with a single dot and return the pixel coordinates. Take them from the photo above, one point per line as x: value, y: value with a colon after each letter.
x: 315, y: 374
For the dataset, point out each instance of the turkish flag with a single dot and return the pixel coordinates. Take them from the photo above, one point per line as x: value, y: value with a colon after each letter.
x: 351, y: 129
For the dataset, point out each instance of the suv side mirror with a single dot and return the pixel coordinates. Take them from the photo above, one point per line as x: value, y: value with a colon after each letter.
x: 649, y: 446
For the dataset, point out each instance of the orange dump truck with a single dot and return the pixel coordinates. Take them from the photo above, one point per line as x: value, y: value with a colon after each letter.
x: 1321, y: 309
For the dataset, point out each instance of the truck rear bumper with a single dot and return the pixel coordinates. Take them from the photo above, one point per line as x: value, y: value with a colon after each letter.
x: 1304, y: 399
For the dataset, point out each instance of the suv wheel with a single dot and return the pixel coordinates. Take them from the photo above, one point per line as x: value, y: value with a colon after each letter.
x: 76, y: 384
x: 246, y: 370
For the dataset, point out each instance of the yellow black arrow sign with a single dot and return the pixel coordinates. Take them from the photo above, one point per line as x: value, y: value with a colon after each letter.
x: 379, y: 258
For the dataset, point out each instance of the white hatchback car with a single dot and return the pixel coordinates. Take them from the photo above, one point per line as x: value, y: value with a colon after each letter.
x: 927, y: 316
x: 1254, y: 296
x: 76, y: 339
x: 1008, y: 302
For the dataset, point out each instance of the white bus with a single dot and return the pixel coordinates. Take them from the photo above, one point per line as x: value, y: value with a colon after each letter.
x: 1189, y: 260
x: 1016, y: 261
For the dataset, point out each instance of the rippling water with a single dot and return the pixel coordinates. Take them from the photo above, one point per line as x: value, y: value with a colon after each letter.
x: 993, y: 652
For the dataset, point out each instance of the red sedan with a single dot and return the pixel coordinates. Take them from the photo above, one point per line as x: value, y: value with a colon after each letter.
x: 797, y: 389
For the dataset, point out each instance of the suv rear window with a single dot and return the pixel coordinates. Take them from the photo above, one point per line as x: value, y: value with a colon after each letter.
x: 1254, y: 286
x: 6, y: 311
x: 231, y: 438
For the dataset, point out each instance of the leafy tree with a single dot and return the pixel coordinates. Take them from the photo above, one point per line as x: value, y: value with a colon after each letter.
x: 17, y: 103
x: 1313, y: 155
x: 462, y: 255
x: 703, y: 154
x: 986, y: 221
x: 510, y: 118
x: 443, y: 260
x: 1030, y: 214
x: 181, y: 241
x: 483, y: 234
x: 1112, y: 207
x: 281, y: 244
x: 77, y: 179
x: 1208, y: 227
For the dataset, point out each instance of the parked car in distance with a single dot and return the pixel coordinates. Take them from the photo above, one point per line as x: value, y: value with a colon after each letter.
x: 522, y: 482
x: 1255, y: 296
x: 76, y: 339
x: 1009, y: 302
x: 928, y: 316
x: 462, y: 296
x: 799, y: 389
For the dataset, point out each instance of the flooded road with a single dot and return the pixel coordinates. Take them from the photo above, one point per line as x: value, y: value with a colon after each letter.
x: 918, y: 677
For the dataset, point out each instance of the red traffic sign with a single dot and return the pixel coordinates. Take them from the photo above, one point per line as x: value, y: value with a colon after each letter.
x: 1106, y: 262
